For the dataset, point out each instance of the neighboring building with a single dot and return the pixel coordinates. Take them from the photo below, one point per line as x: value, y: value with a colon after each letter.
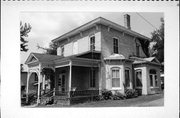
x: 95, y: 56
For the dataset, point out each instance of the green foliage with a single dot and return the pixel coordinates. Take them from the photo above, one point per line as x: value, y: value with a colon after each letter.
x: 24, y: 30
x: 158, y: 38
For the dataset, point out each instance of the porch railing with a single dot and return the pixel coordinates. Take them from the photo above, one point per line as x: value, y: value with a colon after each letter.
x: 47, y: 97
x: 84, y: 93
x: 78, y: 94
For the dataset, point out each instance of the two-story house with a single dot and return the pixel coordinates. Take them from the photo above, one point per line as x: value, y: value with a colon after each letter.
x: 95, y: 56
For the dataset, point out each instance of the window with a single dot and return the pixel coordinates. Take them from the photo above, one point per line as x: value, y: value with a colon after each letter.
x: 62, y: 50
x: 153, y: 78
x: 138, y: 78
x: 92, y: 78
x: 137, y: 49
x: 127, y: 78
x: 92, y: 43
x: 115, y: 45
x: 115, y: 77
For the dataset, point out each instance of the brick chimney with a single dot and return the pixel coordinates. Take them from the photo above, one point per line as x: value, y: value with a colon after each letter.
x: 127, y: 21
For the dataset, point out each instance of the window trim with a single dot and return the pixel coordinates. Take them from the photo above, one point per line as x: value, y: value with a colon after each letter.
x: 117, y: 68
x: 115, y: 46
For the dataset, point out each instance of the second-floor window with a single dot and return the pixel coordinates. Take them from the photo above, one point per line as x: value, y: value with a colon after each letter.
x: 137, y: 49
x: 92, y: 43
x: 62, y: 50
x: 115, y: 45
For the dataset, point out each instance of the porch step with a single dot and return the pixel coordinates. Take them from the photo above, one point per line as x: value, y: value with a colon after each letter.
x: 61, y: 100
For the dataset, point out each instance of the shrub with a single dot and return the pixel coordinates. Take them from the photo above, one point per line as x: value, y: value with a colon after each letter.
x: 118, y: 96
x: 131, y: 93
x: 106, y: 94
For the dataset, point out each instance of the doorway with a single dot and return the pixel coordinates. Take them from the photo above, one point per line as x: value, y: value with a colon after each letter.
x: 61, y: 83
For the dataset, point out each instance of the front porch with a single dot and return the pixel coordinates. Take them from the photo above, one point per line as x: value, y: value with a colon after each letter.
x: 64, y: 80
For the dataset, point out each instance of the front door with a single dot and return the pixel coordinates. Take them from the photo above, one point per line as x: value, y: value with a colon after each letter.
x: 61, y: 83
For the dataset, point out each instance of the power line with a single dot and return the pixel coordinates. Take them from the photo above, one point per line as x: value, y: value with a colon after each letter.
x: 146, y: 20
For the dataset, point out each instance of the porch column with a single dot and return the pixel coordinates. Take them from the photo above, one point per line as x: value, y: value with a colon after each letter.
x: 43, y: 81
x: 27, y: 85
x: 39, y: 82
x: 100, y: 79
x: 70, y: 77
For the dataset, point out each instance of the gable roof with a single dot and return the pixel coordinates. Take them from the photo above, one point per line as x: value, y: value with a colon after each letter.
x: 152, y: 60
x: 103, y: 21
x: 41, y: 57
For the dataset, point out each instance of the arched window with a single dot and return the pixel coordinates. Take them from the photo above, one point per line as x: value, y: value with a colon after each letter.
x: 115, y: 77
x: 138, y: 75
x: 153, y: 77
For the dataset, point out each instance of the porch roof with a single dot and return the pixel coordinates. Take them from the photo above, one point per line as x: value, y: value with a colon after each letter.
x: 60, y: 60
x: 150, y: 60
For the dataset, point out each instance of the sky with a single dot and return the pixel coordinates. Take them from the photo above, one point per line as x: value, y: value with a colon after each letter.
x: 47, y: 26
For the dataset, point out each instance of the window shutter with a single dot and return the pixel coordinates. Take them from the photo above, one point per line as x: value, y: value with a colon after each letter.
x: 98, y: 41
x: 59, y: 51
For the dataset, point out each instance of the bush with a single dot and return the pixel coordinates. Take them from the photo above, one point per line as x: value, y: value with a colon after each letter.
x: 106, y: 94
x: 131, y: 93
x: 118, y: 96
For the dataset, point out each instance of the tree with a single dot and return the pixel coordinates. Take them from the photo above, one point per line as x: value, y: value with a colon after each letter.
x: 22, y: 68
x: 157, y: 41
x: 24, y: 30
x: 51, y: 50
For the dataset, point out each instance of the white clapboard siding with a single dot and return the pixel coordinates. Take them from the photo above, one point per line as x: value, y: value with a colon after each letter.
x: 68, y: 49
x: 75, y: 47
x: 59, y: 51
x: 98, y: 41
x: 83, y: 45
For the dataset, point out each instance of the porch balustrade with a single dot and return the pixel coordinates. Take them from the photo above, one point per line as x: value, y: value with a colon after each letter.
x: 64, y: 95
